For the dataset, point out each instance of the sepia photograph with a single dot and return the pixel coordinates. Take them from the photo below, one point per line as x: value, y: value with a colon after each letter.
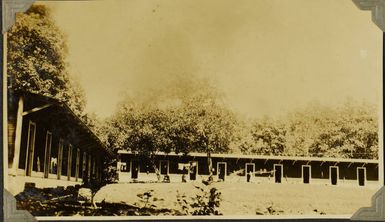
x: 180, y: 108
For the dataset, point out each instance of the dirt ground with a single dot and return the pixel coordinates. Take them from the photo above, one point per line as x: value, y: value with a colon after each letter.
x: 250, y: 199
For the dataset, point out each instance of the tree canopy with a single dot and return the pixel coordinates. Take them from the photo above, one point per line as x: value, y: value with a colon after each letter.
x: 37, y: 53
x: 195, y: 121
x: 187, y: 115
x: 177, y: 121
x: 345, y: 131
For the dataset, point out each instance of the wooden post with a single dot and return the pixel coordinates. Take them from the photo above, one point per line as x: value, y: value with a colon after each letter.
x: 60, y: 159
x: 89, y: 167
x: 19, y: 126
x: 47, y: 157
x: 69, y: 162
x: 93, y: 166
x: 100, y: 169
x: 97, y: 168
x: 84, y: 167
x: 77, y: 164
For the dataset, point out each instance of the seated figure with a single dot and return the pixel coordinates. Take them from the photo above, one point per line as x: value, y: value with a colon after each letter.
x: 166, y: 179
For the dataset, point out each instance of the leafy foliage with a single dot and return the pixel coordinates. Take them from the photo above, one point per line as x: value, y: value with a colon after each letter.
x: 109, y: 174
x: 205, y: 202
x: 347, y: 131
x: 188, y: 114
x: 37, y: 63
x: 269, y: 138
x: 37, y: 59
x: 147, y: 199
x: 194, y: 122
x: 198, y: 121
x: 214, y: 124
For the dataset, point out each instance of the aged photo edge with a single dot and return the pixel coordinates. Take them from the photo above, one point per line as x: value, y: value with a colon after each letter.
x: 375, y: 212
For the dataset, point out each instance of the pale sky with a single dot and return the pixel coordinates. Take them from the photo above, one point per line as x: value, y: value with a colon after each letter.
x: 267, y: 56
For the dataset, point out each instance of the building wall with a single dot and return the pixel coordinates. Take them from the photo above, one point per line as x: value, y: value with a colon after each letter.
x: 40, y: 156
x: 264, y: 170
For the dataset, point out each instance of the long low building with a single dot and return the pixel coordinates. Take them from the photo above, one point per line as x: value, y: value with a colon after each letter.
x: 248, y: 168
x: 49, y: 145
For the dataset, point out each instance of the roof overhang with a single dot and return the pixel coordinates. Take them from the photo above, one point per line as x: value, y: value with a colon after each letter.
x: 265, y: 157
x: 63, y: 114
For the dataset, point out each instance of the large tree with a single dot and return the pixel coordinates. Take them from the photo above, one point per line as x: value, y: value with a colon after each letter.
x: 37, y: 58
x: 192, y: 119
x: 213, y: 123
x: 349, y: 130
x: 267, y: 138
x: 141, y: 129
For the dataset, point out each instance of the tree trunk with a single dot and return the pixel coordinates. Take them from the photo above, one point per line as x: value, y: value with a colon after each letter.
x: 157, y: 171
x: 93, y: 201
x: 210, y: 164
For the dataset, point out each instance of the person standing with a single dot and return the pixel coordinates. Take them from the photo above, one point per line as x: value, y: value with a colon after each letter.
x: 248, y: 176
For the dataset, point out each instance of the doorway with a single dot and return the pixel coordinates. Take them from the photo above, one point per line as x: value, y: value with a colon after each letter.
x: 278, y: 171
x: 249, y: 173
x: 361, y: 176
x: 306, y: 173
x: 135, y: 169
x: 164, y: 167
x: 221, y: 169
x: 333, y: 175
x: 193, y: 170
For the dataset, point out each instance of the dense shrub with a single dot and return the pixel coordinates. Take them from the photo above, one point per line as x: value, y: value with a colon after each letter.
x: 206, y: 202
